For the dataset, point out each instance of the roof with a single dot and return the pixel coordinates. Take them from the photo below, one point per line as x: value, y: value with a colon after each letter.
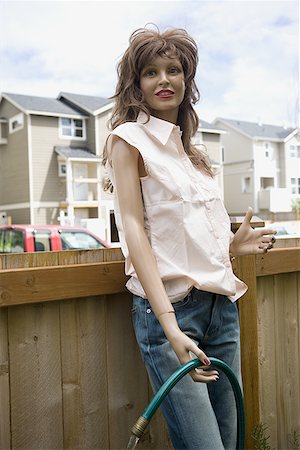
x: 75, y: 152
x: 42, y: 105
x: 259, y: 131
x: 208, y: 127
x: 88, y: 103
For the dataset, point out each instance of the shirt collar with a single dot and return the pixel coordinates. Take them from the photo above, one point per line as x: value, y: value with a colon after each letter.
x: 159, y: 128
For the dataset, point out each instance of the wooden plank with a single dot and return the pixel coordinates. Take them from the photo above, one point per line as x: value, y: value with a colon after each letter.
x: 21, y: 260
x: 281, y: 260
x: 39, y: 259
x: 4, y: 384
x: 31, y: 285
x: 35, y: 377
x: 287, y: 367
x: 126, y: 375
x: 159, y: 436
x: 268, y: 356
x: 83, y: 341
x: 245, y: 269
x: 287, y: 242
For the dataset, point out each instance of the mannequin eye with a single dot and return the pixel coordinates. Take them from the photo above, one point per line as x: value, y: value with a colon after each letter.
x: 174, y: 69
x: 149, y: 73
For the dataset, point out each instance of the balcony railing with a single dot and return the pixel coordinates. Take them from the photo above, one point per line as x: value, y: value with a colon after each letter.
x: 275, y: 200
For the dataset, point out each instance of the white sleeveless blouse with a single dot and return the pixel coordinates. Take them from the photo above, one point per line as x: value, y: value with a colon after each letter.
x: 185, y: 218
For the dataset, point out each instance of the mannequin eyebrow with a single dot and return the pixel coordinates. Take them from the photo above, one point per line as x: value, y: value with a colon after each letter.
x: 171, y: 63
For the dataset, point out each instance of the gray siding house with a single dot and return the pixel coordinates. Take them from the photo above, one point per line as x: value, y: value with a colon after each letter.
x: 261, y: 167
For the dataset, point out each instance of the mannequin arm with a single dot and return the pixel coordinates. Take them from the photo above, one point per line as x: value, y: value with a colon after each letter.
x: 125, y: 162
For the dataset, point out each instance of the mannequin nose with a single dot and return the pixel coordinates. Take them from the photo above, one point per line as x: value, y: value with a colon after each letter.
x: 163, y: 80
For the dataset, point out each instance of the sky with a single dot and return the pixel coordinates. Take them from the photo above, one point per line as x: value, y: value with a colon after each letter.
x: 248, y: 50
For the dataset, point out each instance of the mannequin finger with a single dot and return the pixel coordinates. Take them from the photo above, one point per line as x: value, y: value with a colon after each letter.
x: 200, y: 377
x: 266, y: 231
x: 267, y: 239
x: 248, y: 215
x: 206, y: 372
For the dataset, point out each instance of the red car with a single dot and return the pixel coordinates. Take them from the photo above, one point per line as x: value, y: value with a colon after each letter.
x: 40, y: 238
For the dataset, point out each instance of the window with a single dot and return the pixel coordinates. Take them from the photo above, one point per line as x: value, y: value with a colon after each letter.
x: 266, y: 182
x: 11, y: 241
x: 72, y: 128
x: 113, y: 228
x: 246, y: 185
x: 62, y: 169
x: 78, y: 240
x: 16, y: 123
x: 3, y: 131
x: 295, y: 186
x: 223, y: 153
x: 42, y: 241
x: 268, y: 150
x: 294, y: 151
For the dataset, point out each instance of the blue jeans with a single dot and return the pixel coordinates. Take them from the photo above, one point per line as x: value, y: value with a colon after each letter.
x: 199, y: 416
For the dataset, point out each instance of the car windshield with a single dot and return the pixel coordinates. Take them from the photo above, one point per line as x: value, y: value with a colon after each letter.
x: 78, y: 240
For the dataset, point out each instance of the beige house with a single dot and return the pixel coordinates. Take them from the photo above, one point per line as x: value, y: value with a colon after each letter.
x: 51, y: 160
x: 261, y: 167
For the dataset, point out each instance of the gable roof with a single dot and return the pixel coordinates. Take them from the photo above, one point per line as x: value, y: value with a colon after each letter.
x: 259, y: 131
x: 89, y: 103
x: 209, y: 128
x: 46, y: 106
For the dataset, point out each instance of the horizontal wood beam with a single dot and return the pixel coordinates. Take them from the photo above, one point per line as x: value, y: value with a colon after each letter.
x: 48, y: 283
x: 280, y: 260
x: 40, y: 284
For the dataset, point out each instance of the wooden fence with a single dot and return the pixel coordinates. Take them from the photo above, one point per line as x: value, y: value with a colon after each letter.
x: 71, y: 376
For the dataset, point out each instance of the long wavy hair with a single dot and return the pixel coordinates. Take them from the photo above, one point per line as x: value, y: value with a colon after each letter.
x: 145, y: 45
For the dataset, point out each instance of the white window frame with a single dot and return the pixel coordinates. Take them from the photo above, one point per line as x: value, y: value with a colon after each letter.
x: 294, y: 151
x: 73, y: 128
x: 62, y: 172
x: 295, y: 186
x: 19, y: 119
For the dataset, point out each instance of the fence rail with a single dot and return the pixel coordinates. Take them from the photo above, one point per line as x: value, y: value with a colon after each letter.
x: 71, y: 376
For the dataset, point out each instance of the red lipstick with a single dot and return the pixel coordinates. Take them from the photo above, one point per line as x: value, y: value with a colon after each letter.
x: 164, y: 93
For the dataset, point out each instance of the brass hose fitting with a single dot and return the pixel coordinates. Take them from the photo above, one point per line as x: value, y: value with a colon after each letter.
x: 139, y: 427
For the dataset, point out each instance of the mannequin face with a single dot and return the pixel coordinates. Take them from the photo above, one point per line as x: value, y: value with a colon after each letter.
x: 163, y: 86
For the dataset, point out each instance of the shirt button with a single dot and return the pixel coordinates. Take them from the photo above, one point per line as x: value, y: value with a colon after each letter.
x: 148, y: 311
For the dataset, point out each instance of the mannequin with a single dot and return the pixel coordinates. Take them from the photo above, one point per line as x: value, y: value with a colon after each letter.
x: 157, y: 175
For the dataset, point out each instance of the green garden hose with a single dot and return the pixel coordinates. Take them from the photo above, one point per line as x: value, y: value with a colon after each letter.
x: 143, y: 421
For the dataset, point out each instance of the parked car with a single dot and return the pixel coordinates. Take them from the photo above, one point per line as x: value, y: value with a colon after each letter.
x: 285, y: 229
x: 40, y: 238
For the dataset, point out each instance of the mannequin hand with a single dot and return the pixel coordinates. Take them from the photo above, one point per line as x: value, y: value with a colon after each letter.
x: 183, y: 345
x: 248, y: 241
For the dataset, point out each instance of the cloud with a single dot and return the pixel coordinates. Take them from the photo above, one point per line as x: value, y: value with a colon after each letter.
x: 248, y: 49
x: 253, y: 83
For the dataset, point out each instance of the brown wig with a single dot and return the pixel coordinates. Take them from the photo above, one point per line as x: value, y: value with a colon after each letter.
x: 144, y: 46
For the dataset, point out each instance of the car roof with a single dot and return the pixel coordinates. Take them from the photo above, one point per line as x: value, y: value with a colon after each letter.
x: 42, y: 227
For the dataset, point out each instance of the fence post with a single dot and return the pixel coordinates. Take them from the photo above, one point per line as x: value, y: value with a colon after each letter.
x: 245, y: 269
